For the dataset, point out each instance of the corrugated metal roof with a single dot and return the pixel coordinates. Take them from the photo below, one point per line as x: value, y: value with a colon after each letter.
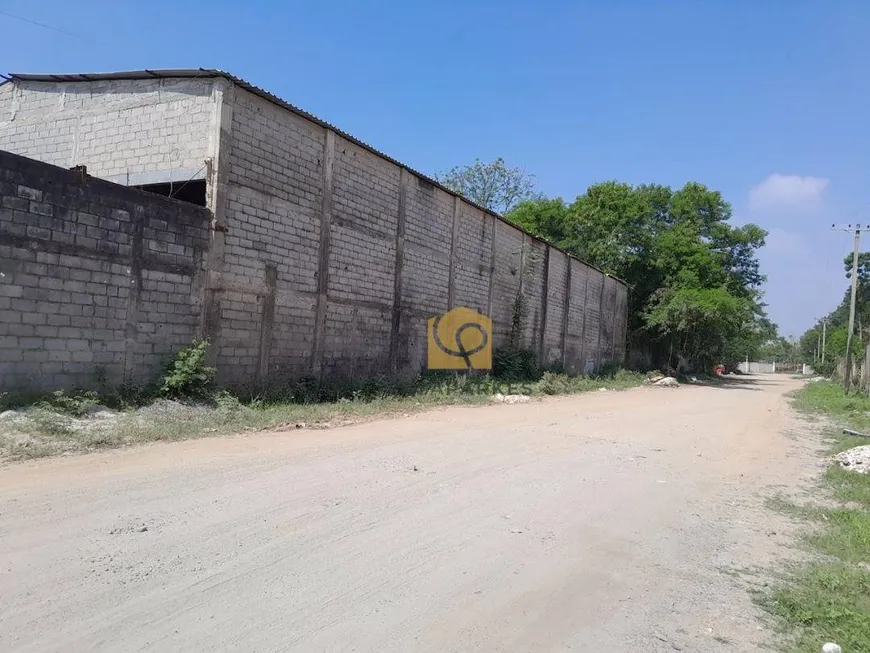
x: 211, y: 73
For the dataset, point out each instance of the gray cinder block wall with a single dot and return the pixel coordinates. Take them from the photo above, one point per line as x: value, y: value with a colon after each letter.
x: 325, y: 256
x: 98, y: 282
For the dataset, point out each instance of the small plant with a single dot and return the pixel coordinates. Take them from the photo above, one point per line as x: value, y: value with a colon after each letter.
x: 554, y: 384
x: 77, y: 404
x: 515, y: 364
x: 48, y: 421
x: 188, y: 377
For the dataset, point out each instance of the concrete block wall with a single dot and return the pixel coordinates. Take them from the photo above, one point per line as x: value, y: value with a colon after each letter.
x: 326, y: 258
x: 557, y: 304
x: 273, y: 221
x: 97, y: 281
x: 129, y: 131
x: 363, y: 252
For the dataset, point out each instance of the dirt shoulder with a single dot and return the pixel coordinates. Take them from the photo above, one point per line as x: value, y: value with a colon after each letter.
x: 602, y: 520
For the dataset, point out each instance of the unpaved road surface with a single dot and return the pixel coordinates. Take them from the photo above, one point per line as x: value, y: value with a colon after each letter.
x: 607, y: 521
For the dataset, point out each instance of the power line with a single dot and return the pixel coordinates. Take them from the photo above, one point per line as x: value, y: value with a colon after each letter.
x: 48, y: 27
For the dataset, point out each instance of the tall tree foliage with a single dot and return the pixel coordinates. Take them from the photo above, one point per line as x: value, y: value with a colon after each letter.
x: 838, y: 320
x: 694, y: 277
x: 494, y: 186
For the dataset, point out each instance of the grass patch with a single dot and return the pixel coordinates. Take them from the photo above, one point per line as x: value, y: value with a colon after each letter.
x: 69, y: 423
x: 824, y: 602
x: 827, y: 398
x: 849, y: 487
x: 829, y: 600
x: 847, y: 536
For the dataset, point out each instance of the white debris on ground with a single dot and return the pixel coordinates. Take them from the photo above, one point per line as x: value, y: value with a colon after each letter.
x: 657, y: 378
x: 816, y: 378
x: 855, y: 460
x: 39, y: 418
x: 667, y: 382
x: 511, y: 399
x: 10, y: 416
x: 831, y: 647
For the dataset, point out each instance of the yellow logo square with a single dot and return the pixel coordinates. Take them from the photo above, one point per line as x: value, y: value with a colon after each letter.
x: 460, y: 339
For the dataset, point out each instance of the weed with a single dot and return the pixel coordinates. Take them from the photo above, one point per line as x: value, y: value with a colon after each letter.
x: 47, y: 421
x: 825, y: 602
x: 77, y: 404
x: 188, y: 377
x: 512, y: 363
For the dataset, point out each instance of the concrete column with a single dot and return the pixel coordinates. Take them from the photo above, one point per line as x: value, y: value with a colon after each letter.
x: 565, y: 317
x: 600, y: 322
x: 267, y: 320
x: 451, y: 284
x: 545, y: 301
x: 624, y: 334
x: 399, y: 265
x: 585, y: 305
x: 492, y: 251
x: 613, y: 329
x: 521, y: 286
x: 131, y: 326
x: 323, y: 255
x: 217, y: 175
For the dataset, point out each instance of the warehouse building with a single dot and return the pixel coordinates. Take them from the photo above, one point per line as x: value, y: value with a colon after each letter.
x: 322, y: 256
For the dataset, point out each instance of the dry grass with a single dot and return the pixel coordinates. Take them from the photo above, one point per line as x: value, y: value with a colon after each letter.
x: 67, y: 425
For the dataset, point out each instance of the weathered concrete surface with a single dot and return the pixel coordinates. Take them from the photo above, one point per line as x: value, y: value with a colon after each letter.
x: 346, y: 252
x: 605, y: 520
x: 98, y: 282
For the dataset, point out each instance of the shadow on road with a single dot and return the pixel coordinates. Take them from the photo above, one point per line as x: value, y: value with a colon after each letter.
x: 743, y: 382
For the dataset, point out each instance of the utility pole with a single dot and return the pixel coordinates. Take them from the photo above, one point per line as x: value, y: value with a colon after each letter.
x: 819, y: 346
x: 824, y: 330
x: 856, y: 231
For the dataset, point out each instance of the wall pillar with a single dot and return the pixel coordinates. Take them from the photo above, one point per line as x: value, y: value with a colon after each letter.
x: 131, y: 326
x: 267, y: 320
x: 600, y: 323
x: 585, y: 320
x: 217, y: 176
x: 545, y: 301
x: 399, y: 265
x: 565, y: 316
x: 492, y: 251
x: 323, y: 254
x: 451, y: 284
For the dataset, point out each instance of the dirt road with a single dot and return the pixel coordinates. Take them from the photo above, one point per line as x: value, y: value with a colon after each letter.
x: 608, y: 520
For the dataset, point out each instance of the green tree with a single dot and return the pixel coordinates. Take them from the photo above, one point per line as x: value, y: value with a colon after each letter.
x: 698, y: 323
x: 547, y: 217
x: 838, y: 319
x: 781, y: 350
x: 694, y: 277
x: 494, y: 186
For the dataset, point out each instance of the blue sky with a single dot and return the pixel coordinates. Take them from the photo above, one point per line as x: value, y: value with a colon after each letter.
x: 766, y: 101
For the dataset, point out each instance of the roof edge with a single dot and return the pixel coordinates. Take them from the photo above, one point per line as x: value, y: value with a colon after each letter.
x: 213, y: 73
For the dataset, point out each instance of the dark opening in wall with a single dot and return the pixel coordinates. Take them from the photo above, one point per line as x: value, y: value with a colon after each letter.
x: 186, y: 191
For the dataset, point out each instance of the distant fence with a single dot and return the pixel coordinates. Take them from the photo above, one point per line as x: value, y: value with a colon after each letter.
x: 757, y: 367
x: 772, y: 367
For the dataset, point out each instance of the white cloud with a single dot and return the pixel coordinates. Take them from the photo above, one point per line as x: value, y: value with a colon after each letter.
x: 787, y: 190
